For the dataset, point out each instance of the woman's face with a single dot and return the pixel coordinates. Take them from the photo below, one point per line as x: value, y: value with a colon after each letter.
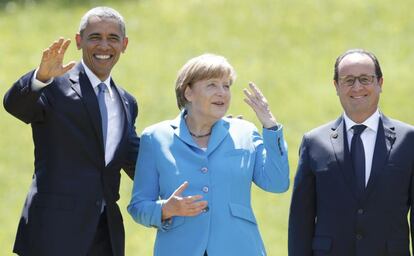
x: 209, y: 98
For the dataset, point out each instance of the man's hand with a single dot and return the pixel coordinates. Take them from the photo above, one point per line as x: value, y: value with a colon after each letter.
x: 258, y: 103
x: 51, y: 64
x: 177, y: 205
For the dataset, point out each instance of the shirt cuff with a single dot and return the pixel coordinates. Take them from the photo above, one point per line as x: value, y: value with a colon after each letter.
x: 274, y: 128
x: 36, y: 84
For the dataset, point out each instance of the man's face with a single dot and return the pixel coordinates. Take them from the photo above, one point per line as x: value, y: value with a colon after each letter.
x: 359, y: 99
x: 102, y: 42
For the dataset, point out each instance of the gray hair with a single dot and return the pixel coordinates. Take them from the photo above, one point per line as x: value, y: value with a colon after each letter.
x: 102, y: 12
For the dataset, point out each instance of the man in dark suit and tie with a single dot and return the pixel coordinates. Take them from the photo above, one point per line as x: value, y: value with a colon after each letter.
x: 83, y: 133
x: 354, y: 184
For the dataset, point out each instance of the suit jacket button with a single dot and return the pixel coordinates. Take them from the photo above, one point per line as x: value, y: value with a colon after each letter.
x: 206, y: 209
x: 360, y: 211
x: 334, y: 135
x: 205, y: 189
x: 359, y: 237
x: 204, y: 170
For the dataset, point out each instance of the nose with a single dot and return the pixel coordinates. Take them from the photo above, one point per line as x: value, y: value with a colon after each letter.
x: 357, y: 85
x: 222, y: 90
x: 104, y: 44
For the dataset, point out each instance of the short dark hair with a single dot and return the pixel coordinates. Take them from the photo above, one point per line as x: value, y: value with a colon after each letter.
x: 102, y: 12
x: 378, y: 71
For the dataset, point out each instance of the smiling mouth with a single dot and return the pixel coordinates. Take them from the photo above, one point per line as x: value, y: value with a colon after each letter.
x: 102, y: 56
x: 358, y: 97
x: 218, y: 103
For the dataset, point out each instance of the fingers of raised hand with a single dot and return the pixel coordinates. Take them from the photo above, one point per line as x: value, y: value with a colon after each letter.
x: 65, y: 46
x: 258, y: 95
x: 255, y: 100
x: 57, y: 48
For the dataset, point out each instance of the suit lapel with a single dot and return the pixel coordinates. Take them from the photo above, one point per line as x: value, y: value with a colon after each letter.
x: 125, y: 104
x: 218, y: 133
x: 181, y: 131
x: 82, y: 86
x: 383, y: 145
x: 340, y: 145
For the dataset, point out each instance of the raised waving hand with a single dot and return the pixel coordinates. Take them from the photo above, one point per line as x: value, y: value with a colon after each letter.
x: 256, y: 100
x: 51, y: 64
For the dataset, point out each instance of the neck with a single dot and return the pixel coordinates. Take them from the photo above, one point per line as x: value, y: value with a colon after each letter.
x: 197, y: 128
x: 359, y: 118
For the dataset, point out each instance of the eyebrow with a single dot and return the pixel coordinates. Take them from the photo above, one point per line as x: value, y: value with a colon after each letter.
x: 110, y: 35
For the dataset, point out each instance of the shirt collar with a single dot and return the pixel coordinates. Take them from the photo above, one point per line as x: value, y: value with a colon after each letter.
x: 371, y: 122
x: 95, y: 81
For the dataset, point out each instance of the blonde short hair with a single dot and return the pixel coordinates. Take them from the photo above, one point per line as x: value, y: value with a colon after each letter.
x: 202, y: 67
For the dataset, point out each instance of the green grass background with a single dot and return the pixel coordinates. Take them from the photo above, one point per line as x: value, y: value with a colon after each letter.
x: 287, y: 47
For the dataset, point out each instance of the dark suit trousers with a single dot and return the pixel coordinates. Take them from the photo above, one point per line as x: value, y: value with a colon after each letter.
x: 101, y: 245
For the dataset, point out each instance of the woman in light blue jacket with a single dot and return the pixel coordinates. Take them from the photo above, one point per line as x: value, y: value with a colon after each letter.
x: 194, y: 173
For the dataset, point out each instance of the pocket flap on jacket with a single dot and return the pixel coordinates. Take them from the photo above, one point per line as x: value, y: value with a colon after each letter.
x: 243, y: 212
x: 322, y: 243
x: 398, y: 246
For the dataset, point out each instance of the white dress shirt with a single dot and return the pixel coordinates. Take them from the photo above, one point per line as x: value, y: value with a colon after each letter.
x: 115, y: 114
x: 368, y: 137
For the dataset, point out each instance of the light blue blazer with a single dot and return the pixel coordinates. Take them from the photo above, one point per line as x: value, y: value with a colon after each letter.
x: 236, y: 156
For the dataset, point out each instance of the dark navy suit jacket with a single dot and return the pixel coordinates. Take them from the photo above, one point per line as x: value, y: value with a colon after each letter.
x: 327, y: 217
x: 70, y: 178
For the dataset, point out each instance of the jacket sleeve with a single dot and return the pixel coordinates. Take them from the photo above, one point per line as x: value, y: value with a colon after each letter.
x: 24, y: 103
x: 271, y: 170
x: 133, y: 143
x: 144, y: 207
x: 302, y: 209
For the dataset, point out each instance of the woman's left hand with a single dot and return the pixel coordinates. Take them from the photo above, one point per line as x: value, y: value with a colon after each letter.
x: 258, y: 103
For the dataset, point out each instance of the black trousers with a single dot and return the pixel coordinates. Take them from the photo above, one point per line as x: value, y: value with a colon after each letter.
x: 101, y: 245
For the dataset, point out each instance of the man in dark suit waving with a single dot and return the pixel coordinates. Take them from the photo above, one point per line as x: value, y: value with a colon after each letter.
x: 354, y: 184
x: 84, y: 133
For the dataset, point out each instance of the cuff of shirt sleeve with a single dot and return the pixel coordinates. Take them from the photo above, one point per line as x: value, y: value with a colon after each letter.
x: 274, y: 128
x: 36, y: 84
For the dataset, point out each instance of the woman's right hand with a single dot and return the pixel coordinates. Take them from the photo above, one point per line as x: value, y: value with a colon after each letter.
x: 177, y: 205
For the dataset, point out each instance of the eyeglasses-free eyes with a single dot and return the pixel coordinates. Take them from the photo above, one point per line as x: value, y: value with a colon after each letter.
x: 363, y: 79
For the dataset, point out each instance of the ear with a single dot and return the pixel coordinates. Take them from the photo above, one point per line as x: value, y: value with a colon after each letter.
x: 380, y: 81
x: 336, y: 86
x: 188, y: 93
x: 125, y: 44
x: 78, y: 39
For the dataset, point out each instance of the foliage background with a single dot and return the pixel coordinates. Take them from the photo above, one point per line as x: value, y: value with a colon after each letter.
x: 287, y: 47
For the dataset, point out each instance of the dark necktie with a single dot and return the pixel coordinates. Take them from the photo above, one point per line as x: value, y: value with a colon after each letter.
x: 358, y: 157
x: 103, y: 109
